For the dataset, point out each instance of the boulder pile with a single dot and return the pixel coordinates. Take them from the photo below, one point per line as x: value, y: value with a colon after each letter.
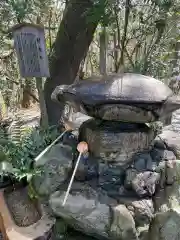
x: 127, y: 186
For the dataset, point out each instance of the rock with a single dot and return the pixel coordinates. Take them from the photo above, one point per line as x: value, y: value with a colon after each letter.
x: 61, y: 233
x: 123, y: 225
x: 143, y: 232
x: 94, y: 213
x: 124, y: 113
x: 78, y: 118
x: 55, y: 166
x: 88, y: 168
x: 126, y: 193
x: 162, y: 155
x: 112, y: 189
x: 143, y: 162
x: 170, y: 176
x: 83, y: 210
x: 144, y: 184
x: 115, y: 142
x: 159, y: 144
x: 111, y: 177
x: 166, y: 169
x: 110, y: 174
x: 165, y: 224
x: 143, y: 211
x: 169, y: 196
x: 176, y: 165
x: 171, y: 140
x: 130, y: 175
x: 168, y: 127
x: 73, y: 120
x: 70, y: 140
x: 60, y: 229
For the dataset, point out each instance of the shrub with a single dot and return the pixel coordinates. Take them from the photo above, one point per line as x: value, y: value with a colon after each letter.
x: 17, y: 159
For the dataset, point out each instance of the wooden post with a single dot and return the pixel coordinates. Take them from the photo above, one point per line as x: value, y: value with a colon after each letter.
x: 30, y: 46
x: 42, y: 104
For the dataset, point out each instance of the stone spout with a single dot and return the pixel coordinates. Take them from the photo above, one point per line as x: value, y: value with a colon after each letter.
x: 62, y: 96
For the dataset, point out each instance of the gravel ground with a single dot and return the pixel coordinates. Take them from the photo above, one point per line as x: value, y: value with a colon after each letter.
x: 30, y: 117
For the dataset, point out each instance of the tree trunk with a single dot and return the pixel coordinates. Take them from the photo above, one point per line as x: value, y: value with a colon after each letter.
x: 174, y: 83
x: 72, y: 42
x: 123, y: 42
x: 27, y: 100
x: 103, y: 50
x: 115, y: 52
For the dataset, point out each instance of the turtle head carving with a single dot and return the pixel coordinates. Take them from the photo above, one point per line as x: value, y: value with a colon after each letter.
x: 61, y: 95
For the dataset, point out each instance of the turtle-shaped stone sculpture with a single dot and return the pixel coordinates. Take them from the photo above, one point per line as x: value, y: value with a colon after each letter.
x: 124, y: 97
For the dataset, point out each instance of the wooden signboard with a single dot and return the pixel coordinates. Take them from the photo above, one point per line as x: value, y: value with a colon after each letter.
x: 29, y: 40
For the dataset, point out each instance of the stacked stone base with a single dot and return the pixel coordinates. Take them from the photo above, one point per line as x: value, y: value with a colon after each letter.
x: 136, y: 201
x: 115, y: 141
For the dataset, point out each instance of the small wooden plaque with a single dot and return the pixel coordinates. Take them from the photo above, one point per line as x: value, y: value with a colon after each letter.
x: 29, y: 40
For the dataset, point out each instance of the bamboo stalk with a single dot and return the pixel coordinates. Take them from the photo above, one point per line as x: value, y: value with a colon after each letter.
x: 50, y: 146
x: 72, y: 179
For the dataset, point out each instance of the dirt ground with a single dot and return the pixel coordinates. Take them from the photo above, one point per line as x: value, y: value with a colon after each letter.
x: 29, y: 116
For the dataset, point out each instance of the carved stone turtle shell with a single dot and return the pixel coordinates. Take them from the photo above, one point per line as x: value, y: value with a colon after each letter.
x: 124, y: 97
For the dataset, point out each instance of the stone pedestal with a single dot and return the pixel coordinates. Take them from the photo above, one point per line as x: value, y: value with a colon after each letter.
x: 115, y: 141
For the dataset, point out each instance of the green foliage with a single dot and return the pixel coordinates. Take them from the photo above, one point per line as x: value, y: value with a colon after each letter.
x: 32, y: 192
x: 20, y: 8
x: 101, y: 12
x: 164, y: 4
x: 18, y: 159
